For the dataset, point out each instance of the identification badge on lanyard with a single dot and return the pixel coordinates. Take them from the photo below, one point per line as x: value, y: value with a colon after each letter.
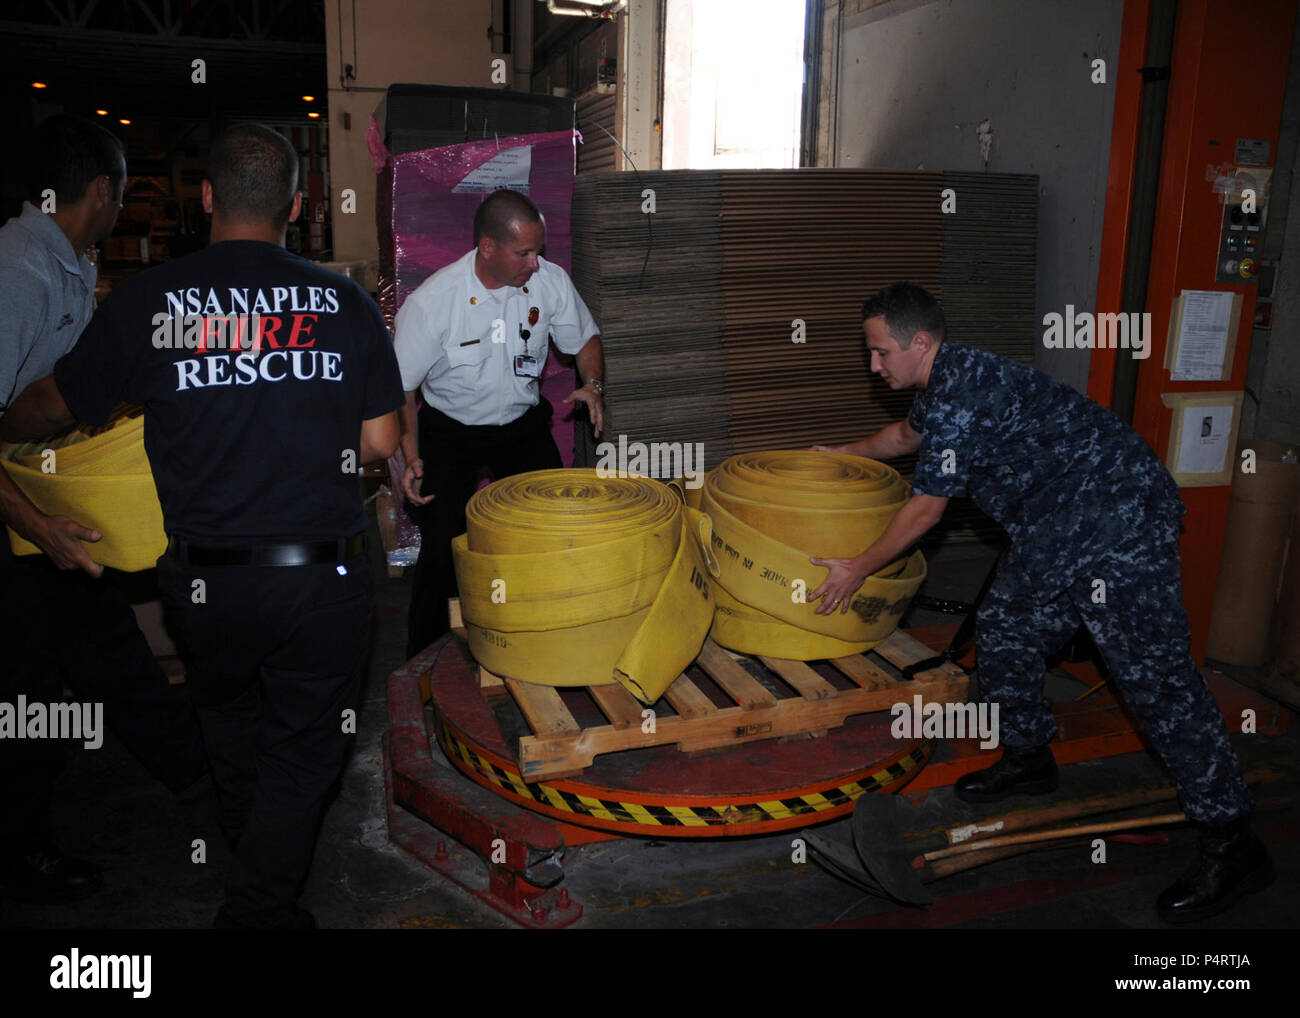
x: 526, y: 365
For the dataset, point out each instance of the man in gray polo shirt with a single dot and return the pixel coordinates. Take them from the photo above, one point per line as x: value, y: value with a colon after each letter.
x: 60, y: 622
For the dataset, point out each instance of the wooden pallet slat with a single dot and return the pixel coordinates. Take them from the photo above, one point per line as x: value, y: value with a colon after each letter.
x: 543, y: 708
x: 687, y: 699
x: 867, y: 675
x: 806, y: 682
x: 723, y: 669
x: 902, y: 650
x: 620, y: 706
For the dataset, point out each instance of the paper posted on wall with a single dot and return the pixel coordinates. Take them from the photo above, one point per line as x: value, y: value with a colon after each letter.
x: 1202, y: 340
x: 1204, y: 445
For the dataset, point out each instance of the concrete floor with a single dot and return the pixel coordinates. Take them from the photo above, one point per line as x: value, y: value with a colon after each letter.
x: 110, y: 811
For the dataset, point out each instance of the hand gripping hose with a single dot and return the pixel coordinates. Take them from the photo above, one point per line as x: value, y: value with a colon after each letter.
x: 570, y: 579
x: 103, y: 481
x: 770, y: 512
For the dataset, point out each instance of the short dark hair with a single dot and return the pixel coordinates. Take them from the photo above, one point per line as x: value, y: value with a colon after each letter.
x: 907, y: 309
x: 254, y: 174
x: 499, y: 210
x: 68, y: 154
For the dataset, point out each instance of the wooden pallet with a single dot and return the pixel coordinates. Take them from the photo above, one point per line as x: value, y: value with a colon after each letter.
x: 790, y: 699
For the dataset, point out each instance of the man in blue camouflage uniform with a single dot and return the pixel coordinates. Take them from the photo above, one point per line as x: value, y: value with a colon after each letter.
x: 1093, y: 518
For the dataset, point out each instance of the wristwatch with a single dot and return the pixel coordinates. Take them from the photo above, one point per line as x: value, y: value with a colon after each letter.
x: 598, y: 385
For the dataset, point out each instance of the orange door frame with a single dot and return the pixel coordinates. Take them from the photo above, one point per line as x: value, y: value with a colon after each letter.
x: 1227, y: 81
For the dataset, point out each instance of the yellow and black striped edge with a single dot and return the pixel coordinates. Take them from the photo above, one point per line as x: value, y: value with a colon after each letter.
x: 677, y: 819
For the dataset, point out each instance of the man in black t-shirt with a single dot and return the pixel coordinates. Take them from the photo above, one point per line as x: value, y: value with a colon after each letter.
x: 267, y: 381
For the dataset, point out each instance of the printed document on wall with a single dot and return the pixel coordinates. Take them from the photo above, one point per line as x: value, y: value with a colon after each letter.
x: 1204, y: 445
x: 1202, y: 340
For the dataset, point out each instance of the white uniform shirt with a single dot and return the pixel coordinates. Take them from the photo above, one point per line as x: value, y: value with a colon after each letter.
x: 457, y: 340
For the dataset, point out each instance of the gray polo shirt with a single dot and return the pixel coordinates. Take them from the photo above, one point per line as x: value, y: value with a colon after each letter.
x: 47, y: 295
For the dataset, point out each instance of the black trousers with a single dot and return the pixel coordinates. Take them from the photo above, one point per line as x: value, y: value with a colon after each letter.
x: 453, y: 454
x: 274, y: 656
x: 65, y: 628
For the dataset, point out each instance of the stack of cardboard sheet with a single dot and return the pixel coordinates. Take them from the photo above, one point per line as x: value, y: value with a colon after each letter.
x: 731, y: 314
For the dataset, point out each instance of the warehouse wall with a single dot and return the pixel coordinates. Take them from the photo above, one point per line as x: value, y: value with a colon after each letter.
x: 1274, y: 372
x: 435, y: 42
x: 1274, y: 351
x: 997, y: 85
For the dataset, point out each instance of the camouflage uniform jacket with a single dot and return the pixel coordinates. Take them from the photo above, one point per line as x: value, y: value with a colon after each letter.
x: 1062, y: 474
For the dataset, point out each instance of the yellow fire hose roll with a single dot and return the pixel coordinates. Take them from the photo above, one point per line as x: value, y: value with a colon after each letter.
x: 770, y: 512
x: 101, y: 480
x: 570, y: 579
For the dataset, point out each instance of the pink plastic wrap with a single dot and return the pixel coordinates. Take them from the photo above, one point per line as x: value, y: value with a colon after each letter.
x: 429, y: 213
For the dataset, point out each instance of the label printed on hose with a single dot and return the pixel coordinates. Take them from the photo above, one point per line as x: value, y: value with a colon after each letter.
x: 490, y: 635
x: 701, y: 584
x: 720, y: 545
x: 775, y: 577
x: 869, y: 608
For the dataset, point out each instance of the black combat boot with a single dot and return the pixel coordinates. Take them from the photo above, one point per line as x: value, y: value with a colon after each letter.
x: 1230, y: 861
x: 1018, y: 772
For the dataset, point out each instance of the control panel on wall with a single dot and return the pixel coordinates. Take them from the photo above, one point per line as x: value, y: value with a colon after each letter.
x: 1241, y: 236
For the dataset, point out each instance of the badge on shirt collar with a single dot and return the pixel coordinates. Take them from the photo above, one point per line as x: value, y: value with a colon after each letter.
x: 527, y: 366
x: 533, y: 315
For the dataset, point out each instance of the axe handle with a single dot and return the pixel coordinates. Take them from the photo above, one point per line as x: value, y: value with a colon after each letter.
x: 1031, y: 818
x: 1030, y: 837
x: 969, y: 860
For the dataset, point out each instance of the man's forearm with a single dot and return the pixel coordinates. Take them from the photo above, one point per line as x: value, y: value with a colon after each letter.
x: 591, y: 361
x: 918, y: 514
x: 890, y: 441
x: 38, y: 412
x: 16, y: 509
x: 410, y: 428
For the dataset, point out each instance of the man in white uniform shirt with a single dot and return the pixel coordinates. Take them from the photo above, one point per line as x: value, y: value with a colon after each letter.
x: 473, y: 339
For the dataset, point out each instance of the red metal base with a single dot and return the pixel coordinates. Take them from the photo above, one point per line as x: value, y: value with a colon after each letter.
x: 513, y: 857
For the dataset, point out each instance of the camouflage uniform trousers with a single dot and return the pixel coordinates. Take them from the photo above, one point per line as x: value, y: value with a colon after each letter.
x: 1142, y: 633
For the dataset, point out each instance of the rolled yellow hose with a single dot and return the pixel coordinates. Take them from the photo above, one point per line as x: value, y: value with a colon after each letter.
x: 103, y: 481
x: 770, y: 512
x: 570, y: 579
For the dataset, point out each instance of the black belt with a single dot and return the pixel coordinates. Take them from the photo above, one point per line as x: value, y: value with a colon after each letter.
x: 278, y: 554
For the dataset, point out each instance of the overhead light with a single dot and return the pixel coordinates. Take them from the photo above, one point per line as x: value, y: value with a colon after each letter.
x: 102, y: 113
x: 123, y: 120
x: 39, y: 84
x: 309, y: 98
x: 314, y: 115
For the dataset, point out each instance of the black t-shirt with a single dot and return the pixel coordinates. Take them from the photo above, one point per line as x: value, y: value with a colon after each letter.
x: 256, y: 369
